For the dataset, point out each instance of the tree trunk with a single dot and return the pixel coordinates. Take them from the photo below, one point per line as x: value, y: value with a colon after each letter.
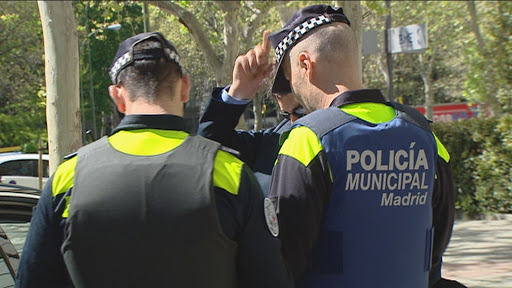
x: 231, y: 38
x: 231, y: 44
x: 257, y: 103
x: 474, y: 25
x: 61, y: 69
x: 147, y: 25
x: 426, y: 76
x: 354, y: 13
x: 490, y: 96
x: 194, y: 27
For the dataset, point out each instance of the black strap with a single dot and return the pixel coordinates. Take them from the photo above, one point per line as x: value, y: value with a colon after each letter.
x: 325, y: 120
x: 412, y: 115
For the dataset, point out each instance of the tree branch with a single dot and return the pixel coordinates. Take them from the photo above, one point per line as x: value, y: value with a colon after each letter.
x: 194, y: 27
x: 231, y: 37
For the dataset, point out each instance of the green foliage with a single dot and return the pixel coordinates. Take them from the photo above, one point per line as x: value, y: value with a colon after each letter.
x: 211, y: 19
x: 481, y: 159
x: 22, y: 104
x: 92, y: 18
x: 201, y: 75
x: 489, y: 70
x: 375, y: 7
x: 448, y: 29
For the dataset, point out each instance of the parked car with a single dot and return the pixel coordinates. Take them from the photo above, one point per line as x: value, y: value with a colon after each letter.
x: 23, y: 169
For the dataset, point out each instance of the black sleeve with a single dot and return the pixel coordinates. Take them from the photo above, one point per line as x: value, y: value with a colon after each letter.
x: 219, y: 119
x: 260, y: 263
x: 300, y: 194
x: 41, y: 263
x: 218, y: 123
x: 443, y: 203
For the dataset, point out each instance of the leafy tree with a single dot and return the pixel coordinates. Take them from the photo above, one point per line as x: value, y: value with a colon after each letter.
x: 222, y: 30
x: 22, y: 98
x: 93, y: 18
x: 231, y: 28
x: 447, y: 31
x: 489, y: 55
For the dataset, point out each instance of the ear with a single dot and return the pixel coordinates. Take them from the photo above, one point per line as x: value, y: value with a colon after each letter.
x: 306, y: 64
x: 115, y: 94
x: 185, y: 89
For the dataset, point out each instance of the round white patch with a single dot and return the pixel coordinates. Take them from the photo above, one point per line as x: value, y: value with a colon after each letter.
x: 271, y: 217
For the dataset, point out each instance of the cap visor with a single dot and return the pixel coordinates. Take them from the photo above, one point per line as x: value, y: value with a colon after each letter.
x: 281, y: 85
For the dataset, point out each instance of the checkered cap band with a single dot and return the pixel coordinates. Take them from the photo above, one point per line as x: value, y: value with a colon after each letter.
x: 298, y: 32
x: 127, y: 58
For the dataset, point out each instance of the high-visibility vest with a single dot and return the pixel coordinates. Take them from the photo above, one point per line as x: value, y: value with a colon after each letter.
x: 155, y: 224
x: 377, y: 229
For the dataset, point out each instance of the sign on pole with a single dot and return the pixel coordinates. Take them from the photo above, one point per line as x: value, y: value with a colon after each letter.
x: 408, y: 39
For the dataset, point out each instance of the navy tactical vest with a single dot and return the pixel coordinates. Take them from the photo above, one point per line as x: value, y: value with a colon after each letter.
x: 377, y: 226
x: 154, y: 225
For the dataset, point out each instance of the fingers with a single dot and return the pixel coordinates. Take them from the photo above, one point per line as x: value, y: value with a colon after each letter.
x: 246, y: 62
x: 261, y: 55
x: 266, y: 43
x: 258, y: 56
x: 254, y: 59
x: 253, y: 67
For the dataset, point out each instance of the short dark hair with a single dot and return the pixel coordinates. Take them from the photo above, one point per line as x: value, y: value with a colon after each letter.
x: 147, y: 78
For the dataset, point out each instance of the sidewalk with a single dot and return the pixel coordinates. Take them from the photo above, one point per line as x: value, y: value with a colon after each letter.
x: 480, y: 253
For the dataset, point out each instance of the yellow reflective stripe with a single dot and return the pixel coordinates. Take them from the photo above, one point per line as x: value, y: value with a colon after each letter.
x: 146, y: 142
x: 379, y: 113
x: 227, y: 172
x: 441, y: 150
x: 302, y: 144
x: 63, y: 177
x: 370, y: 112
x: 65, y: 213
x: 63, y: 181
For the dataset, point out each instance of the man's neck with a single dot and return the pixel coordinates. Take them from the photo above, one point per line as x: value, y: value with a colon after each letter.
x: 142, y: 107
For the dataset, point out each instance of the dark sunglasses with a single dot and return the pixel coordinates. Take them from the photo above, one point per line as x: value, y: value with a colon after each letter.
x: 298, y: 112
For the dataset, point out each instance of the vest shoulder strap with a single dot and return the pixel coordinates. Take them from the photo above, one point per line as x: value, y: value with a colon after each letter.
x: 412, y: 115
x: 198, y: 142
x: 193, y: 142
x: 93, y: 146
x: 325, y: 120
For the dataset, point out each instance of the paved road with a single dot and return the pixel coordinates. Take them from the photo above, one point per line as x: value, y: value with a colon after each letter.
x: 16, y: 233
x: 479, y: 254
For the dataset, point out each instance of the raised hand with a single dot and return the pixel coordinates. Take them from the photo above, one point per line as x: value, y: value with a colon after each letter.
x: 250, y: 70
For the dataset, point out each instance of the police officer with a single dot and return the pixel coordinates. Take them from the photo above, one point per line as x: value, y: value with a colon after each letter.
x: 150, y: 205
x: 360, y: 184
x: 258, y: 149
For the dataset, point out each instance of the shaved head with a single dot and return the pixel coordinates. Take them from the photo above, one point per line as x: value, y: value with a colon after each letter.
x: 330, y: 43
x: 323, y: 65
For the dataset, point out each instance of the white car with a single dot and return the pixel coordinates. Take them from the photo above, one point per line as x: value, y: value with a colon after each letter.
x: 23, y: 169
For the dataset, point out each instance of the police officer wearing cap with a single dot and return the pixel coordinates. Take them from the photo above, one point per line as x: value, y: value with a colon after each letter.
x: 362, y: 187
x: 151, y: 205
x: 258, y: 149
